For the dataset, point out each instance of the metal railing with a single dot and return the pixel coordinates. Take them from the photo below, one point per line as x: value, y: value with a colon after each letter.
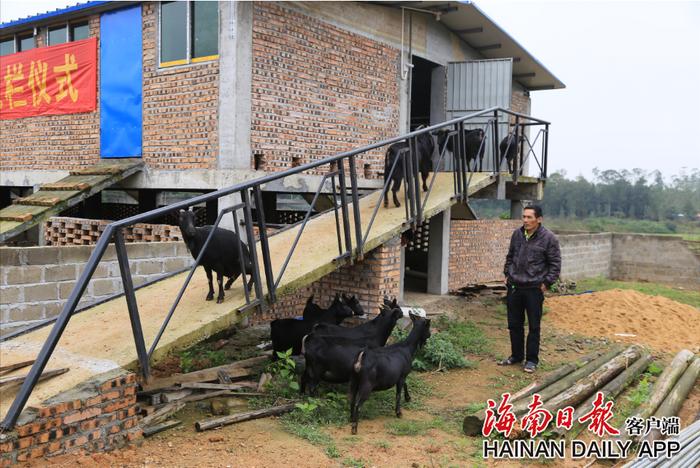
x: 345, y: 198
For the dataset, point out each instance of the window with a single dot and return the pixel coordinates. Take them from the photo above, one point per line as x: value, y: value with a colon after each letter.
x: 79, y: 31
x: 25, y: 43
x: 7, y: 46
x: 189, y: 32
x: 58, y: 35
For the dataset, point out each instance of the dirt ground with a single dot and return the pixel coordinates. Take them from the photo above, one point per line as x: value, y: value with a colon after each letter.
x: 630, y: 317
x: 265, y: 443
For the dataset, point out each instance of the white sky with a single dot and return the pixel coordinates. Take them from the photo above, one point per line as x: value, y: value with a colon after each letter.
x: 632, y: 71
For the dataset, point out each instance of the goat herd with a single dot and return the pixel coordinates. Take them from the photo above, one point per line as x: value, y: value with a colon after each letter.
x: 358, y: 355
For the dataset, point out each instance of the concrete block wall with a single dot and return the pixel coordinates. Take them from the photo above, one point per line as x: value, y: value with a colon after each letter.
x: 36, y: 281
x: 376, y: 276
x: 478, y: 250
x: 100, y: 414
x: 60, y: 230
x: 319, y: 90
x: 658, y: 259
x: 586, y: 255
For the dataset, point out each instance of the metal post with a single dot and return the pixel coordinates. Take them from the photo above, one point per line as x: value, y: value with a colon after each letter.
x: 248, y: 218
x: 344, y: 207
x: 418, y: 181
x: 236, y: 227
x: 56, y: 332
x: 264, y: 245
x: 546, y: 150
x: 410, y: 186
x: 335, y: 213
x: 131, y: 304
x: 516, y: 143
x: 356, y: 207
x: 496, y: 151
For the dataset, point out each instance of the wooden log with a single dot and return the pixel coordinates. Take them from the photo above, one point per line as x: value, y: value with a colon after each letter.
x: 473, y: 423
x: 665, y: 383
x: 12, y: 367
x: 585, y: 387
x: 213, y: 423
x: 675, y: 398
x: 218, y: 386
x: 17, y: 380
x: 162, y: 413
x: 611, y: 390
x: 552, y: 377
x: 237, y: 369
x: 169, y: 397
x: 156, y: 428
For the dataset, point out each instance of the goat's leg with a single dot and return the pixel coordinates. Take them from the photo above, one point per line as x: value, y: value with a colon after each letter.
x: 353, y: 399
x: 250, y: 282
x: 406, y: 396
x: 398, y: 399
x: 424, y: 175
x: 230, y: 281
x: 394, y: 190
x: 210, y: 295
x: 220, y: 281
x: 362, y: 394
x: 386, y: 193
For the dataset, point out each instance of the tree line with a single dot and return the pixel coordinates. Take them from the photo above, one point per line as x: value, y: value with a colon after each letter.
x: 634, y: 194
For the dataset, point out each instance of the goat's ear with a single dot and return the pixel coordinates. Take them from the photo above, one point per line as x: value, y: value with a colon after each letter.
x: 413, y: 316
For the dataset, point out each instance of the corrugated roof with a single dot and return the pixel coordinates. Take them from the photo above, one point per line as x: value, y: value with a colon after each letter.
x: 482, y: 34
x: 50, y: 16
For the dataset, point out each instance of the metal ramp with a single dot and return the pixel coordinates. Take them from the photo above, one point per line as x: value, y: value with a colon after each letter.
x: 55, y: 197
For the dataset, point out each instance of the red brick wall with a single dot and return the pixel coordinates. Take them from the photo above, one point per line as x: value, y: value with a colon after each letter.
x: 98, y: 415
x: 520, y: 102
x: 478, y: 250
x: 318, y: 90
x: 180, y: 107
x: 370, y: 280
x: 52, y: 142
x: 81, y: 231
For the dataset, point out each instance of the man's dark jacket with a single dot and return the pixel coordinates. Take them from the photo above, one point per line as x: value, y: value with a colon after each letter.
x: 532, y: 262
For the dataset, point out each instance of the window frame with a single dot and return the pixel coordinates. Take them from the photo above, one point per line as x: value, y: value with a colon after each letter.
x: 57, y: 26
x: 188, y: 60
x: 15, y: 38
x: 74, y: 24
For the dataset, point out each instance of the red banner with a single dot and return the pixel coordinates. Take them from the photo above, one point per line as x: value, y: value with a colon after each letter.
x: 60, y: 79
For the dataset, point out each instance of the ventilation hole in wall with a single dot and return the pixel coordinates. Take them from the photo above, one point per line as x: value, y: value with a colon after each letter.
x: 296, y: 161
x: 259, y: 162
x: 367, y: 171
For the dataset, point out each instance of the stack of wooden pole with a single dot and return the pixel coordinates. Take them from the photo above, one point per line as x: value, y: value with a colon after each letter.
x: 575, y: 384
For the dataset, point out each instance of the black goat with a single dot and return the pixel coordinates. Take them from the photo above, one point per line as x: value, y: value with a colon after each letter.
x: 474, y: 143
x: 386, y: 318
x: 221, y: 256
x: 314, y: 312
x: 330, y: 357
x: 424, y: 147
x: 289, y: 333
x: 509, y: 150
x: 383, y: 368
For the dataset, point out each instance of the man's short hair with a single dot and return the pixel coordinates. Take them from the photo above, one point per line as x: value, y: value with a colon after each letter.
x: 536, y: 208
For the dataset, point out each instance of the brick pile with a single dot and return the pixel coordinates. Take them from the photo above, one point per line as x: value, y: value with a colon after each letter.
x: 80, y: 231
x: 478, y: 250
x: 100, y: 414
x: 376, y: 276
x: 318, y: 90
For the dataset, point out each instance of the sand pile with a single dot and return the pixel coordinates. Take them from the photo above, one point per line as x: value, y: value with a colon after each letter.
x: 661, y: 323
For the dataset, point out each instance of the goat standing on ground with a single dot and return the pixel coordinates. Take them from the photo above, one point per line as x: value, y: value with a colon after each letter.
x: 383, y: 368
x: 424, y: 149
x: 221, y: 255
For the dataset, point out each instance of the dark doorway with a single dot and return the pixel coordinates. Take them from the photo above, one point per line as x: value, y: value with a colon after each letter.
x: 421, y: 90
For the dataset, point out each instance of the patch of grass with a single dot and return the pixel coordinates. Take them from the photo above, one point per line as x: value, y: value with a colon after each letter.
x: 601, y: 284
x: 654, y: 369
x: 200, y: 357
x: 313, y: 433
x: 383, y: 444
x: 409, y: 427
x: 354, y: 462
x: 475, y: 407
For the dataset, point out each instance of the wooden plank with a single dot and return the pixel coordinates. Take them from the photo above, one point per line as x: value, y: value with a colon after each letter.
x: 20, y: 213
x: 234, y: 370
x: 16, y: 380
x: 47, y: 197
x: 162, y: 413
x: 155, y: 429
x: 11, y: 367
x: 219, y: 386
x: 108, y: 168
x: 213, y: 423
x: 79, y: 183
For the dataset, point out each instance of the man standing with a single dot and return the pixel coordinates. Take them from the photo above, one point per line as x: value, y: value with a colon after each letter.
x: 532, y: 265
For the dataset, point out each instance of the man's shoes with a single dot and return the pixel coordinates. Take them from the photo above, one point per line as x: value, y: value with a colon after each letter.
x: 509, y: 362
x: 530, y: 367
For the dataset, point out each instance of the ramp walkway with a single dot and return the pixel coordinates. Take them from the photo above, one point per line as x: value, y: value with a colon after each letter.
x: 100, y: 339
x: 55, y: 197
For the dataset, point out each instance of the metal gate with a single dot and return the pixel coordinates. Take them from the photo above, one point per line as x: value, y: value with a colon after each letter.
x: 475, y: 85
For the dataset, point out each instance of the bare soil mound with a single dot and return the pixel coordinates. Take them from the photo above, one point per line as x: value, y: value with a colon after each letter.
x: 656, y: 321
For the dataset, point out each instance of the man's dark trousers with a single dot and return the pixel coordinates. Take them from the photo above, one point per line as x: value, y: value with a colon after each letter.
x: 520, y: 300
